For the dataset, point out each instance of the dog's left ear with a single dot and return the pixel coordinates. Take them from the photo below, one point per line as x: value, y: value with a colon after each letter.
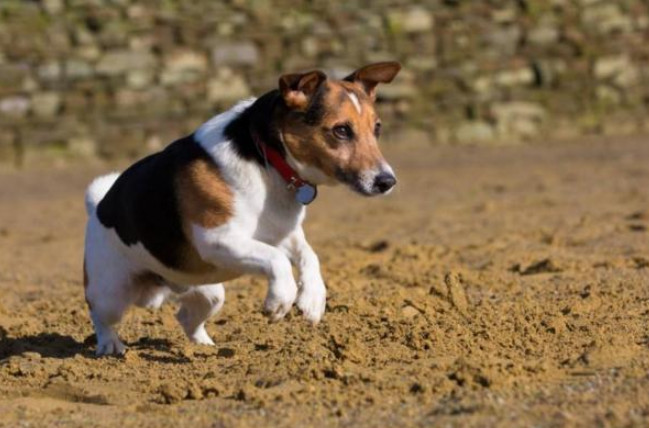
x: 373, y: 74
x: 297, y: 89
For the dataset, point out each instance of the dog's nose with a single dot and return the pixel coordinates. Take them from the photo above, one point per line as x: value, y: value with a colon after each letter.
x: 384, y: 182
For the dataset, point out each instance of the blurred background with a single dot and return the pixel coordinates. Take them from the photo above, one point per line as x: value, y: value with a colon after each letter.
x: 119, y: 78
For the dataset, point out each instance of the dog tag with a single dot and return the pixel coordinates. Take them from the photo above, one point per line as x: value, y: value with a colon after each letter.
x: 305, y: 194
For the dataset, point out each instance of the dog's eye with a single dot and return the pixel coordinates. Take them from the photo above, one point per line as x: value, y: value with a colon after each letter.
x: 343, y: 132
x: 377, y: 129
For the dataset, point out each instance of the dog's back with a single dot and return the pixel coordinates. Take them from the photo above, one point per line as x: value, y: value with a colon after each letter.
x: 98, y: 189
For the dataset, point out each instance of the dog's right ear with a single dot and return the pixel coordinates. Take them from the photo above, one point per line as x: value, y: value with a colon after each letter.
x: 297, y: 89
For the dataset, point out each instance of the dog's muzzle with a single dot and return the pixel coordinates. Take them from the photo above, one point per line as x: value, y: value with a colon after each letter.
x: 370, y: 182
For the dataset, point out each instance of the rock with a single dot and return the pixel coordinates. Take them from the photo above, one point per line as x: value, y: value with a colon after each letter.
x: 543, y: 35
x: 240, y: 53
x: 515, y: 77
x: 409, y: 311
x: 505, y: 40
x: 128, y: 98
x: 139, y: 12
x: 455, y: 292
x: 82, y: 36
x: 610, y: 66
x: 518, y: 120
x: 14, y: 107
x: 30, y: 84
x: 46, y: 104
x: 402, y: 88
x: 418, y: 20
x: 50, y: 71
x: 422, y: 63
x: 296, y: 22
x: 139, y: 79
x: 483, y: 86
x: 120, y: 61
x: 414, y: 20
x: 608, y: 95
x: 89, y: 53
x: 550, y: 70
x: 519, y: 108
x: 77, y: 69
x: 642, y: 22
x: 53, y: 7
x: 606, y: 18
x: 310, y: 47
x: 186, y: 60
x: 227, y: 87
x: 619, y: 69
x: 504, y: 16
x: 397, y: 91
x: 183, y: 66
x: 474, y: 132
x: 82, y: 146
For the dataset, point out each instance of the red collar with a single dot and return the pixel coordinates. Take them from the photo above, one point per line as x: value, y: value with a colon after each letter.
x: 305, y: 191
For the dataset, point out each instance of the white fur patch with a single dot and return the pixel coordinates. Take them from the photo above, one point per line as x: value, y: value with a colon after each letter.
x: 366, y: 179
x: 352, y: 96
x: 98, y: 189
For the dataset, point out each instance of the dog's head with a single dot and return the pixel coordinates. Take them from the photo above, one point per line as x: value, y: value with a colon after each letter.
x: 330, y: 128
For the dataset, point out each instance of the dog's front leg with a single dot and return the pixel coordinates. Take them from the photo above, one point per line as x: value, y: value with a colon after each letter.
x: 313, y: 293
x: 233, y: 252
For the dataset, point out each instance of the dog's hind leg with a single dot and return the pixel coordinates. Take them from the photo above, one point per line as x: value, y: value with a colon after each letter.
x: 199, y: 303
x: 108, y: 288
x: 108, y: 298
x: 150, y: 290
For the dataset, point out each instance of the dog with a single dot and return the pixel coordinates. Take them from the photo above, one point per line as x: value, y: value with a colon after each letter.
x: 230, y: 200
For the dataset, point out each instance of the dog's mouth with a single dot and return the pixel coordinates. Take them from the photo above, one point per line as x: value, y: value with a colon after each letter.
x: 368, y: 183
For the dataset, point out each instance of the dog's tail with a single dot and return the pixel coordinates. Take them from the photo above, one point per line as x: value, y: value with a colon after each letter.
x: 98, y: 189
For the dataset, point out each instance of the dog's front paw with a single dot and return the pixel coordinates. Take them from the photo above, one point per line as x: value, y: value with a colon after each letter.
x: 312, y: 302
x: 280, y: 301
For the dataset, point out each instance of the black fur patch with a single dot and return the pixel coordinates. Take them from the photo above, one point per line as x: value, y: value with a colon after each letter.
x: 142, y: 207
x: 261, y: 118
x: 258, y: 118
x: 316, y: 111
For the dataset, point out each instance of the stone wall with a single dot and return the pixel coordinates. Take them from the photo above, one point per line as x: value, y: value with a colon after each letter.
x: 121, y: 77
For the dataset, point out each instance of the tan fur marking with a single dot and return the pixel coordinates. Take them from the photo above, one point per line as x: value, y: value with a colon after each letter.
x: 323, y: 151
x: 204, y: 197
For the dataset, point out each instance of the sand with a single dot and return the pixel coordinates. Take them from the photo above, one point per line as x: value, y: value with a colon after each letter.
x: 495, y: 286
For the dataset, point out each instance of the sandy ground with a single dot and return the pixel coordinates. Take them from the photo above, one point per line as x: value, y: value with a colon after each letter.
x: 504, y: 286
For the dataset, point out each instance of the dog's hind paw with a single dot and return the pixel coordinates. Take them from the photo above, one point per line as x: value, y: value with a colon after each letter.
x: 110, y: 346
x: 201, y: 337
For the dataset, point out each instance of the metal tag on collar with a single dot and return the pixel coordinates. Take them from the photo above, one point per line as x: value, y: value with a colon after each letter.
x: 306, y: 193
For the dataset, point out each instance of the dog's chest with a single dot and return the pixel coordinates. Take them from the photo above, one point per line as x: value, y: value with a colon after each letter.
x: 268, y: 213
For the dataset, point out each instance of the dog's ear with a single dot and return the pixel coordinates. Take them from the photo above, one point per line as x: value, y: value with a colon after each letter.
x: 373, y: 74
x: 297, y: 89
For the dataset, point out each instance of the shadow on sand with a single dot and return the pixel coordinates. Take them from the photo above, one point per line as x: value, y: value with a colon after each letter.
x: 55, y: 345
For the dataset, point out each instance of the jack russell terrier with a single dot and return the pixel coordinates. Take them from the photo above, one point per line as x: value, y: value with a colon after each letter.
x: 229, y: 200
